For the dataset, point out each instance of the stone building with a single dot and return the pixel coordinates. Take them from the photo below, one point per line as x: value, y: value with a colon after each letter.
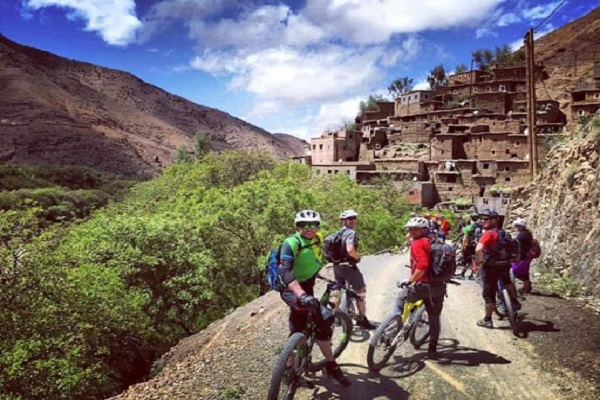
x: 451, y: 142
x: 586, y: 96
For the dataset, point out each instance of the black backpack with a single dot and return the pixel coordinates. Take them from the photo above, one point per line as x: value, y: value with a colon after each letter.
x: 334, y: 248
x: 505, y: 251
x: 443, y: 262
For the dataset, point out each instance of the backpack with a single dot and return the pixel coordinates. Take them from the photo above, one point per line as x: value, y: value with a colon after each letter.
x: 536, y: 249
x: 443, y: 262
x: 272, y: 268
x: 334, y: 248
x: 505, y: 251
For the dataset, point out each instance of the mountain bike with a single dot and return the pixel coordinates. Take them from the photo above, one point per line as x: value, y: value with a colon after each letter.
x: 412, y: 325
x: 347, y: 303
x: 296, y: 358
x: 503, y: 299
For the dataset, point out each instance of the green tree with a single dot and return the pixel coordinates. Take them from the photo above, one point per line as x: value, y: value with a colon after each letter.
x: 483, y: 58
x: 400, y: 86
x: 437, y: 77
x: 371, y: 103
x: 202, y: 144
x: 460, y: 68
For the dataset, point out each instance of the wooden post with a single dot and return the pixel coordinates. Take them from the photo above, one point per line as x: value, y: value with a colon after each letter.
x: 528, y: 104
x: 533, y: 105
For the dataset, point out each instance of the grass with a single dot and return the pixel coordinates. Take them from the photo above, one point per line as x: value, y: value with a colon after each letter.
x: 233, y: 393
x: 560, y: 284
x: 570, y: 173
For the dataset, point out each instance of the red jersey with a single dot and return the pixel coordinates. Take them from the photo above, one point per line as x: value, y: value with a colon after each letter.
x: 420, y: 257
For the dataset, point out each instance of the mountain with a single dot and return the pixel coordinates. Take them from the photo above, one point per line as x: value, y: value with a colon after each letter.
x: 298, y: 145
x: 568, y: 53
x: 59, y: 111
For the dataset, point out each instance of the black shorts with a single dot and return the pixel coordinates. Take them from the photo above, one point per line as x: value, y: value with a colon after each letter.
x: 299, y: 315
x: 489, y: 279
x: 349, y: 275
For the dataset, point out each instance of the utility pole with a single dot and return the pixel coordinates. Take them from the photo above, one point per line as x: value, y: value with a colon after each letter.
x: 531, y: 106
x: 471, y: 84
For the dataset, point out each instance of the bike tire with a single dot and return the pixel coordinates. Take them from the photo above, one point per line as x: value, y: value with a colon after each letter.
x: 285, y: 380
x: 419, y: 332
x: 385, y: 336
x: 512, y: 314
x: 499, y: 313
x: 342, y: 330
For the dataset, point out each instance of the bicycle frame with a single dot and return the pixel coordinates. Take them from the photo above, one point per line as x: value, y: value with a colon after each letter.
x: 408, y: 308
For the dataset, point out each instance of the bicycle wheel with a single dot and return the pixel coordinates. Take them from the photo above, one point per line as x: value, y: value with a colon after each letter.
x: 512, y: 314
x: 386, y: 338
x: 342, y: 330
x: 419, y: 332
x: 287, y: 373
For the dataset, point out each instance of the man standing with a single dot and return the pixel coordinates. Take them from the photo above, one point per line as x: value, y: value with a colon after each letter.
x: 346, y: 272
x: 521, y: 268
x: 418, y: 287
x: 300, y: 263
x: 493, y: 268
x: 470, y: 238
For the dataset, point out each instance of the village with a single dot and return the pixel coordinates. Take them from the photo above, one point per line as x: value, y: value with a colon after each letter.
x: 465, y: 142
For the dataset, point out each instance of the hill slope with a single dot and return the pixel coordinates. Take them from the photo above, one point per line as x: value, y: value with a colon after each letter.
x: 55, y: 110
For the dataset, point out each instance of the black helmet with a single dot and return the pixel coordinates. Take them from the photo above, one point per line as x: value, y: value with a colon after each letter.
x: 488, y: 213
x: 474, y: 216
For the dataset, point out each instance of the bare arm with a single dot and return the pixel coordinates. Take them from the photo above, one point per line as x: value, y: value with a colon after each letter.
x: 479, y: 251
x: 418, y: 274
x: 352, y: 252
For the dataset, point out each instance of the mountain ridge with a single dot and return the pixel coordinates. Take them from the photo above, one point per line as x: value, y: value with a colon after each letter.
x: 61, y: 111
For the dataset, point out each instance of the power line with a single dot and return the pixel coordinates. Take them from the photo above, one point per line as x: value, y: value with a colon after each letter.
x: 549, y: 15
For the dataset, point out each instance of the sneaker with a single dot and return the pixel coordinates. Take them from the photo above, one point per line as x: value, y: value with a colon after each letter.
x: 334, y: 372
x: 365, y: 324
x: 485, y: 323
x: 502, y: 310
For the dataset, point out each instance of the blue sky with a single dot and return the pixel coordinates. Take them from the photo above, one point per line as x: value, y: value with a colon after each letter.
x: 298, y: 67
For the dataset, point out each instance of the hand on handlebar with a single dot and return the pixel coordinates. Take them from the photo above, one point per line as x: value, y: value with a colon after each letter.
x: 403, y: 284
x: 309, y: 301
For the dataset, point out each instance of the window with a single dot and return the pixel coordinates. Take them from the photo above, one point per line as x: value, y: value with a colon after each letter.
x: 475, y: 90
x: 348, y: 171
x: 507, y: 169
x: 318, y: 171
x: 493, y: 152
x: 507, y: 151
x: 486, y: 166
x: 329, y: 171
x: 411, y: 193
x: 495, y: 140
x: 455, y: 91
x: 507, y: 179
x: 502, y: 88
x: 442, y: 151
x: 597, y: 95
x: 449, y: 189
x: 314, y: 146
x: 517, y: 143
x: 320, y: 147
x: 581, y: 113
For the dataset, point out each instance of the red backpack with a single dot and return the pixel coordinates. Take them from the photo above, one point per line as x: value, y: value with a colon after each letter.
x: 536, y: 249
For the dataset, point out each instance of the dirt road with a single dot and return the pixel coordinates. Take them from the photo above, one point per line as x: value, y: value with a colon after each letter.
x: 475, y: 363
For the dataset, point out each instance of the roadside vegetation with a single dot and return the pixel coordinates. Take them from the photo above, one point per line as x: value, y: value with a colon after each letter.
x: 88, y: 305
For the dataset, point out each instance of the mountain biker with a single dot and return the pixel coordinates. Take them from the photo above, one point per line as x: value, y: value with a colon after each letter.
x: 444, y: 227
x: 432, y: 293
x: 298, y: 268
x: 492, y: 269
x: 521, y: 268
x: 347, y: 272
x: 470, y: 238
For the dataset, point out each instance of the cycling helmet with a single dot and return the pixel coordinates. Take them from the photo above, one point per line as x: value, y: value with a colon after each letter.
x: 348, y: 214
x: 426, y: 215
x: 488, y: 213
x: 418, y: 222
x: 474, y: 216
x: 520, y: 222
x: 307, y: 216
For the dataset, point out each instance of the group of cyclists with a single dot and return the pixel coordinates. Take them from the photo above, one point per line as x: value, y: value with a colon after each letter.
x: 302, y: 258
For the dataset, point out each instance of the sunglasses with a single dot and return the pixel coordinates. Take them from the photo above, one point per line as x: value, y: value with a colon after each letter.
x: 309, y: 225
x: 351, y: 218
x: 485, y: 219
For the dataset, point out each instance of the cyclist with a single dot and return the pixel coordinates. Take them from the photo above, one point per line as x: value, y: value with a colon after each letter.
x: 347, y: 272
x: 418, y: 287
x: 300, y: 263
x: 492, y: 268
x: 521, y: 268
x: 470, y: 238
x: 444, y: 228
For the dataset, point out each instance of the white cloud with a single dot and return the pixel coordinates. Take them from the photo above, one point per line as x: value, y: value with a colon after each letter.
x: 508, y: 19
x: 263, y: 109
x: 331, y: 115
x: 114, y: 20
x: 483, y: 32
x: 539, y: 12
x: 422, y: 85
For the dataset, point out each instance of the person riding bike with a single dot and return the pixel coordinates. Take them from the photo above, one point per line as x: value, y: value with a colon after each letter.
x: 521, y: 268
x: 347, y: 272
x: 418, y: 287
x: 470, y: 238
x: 299, y: 265
x: 492, y: 268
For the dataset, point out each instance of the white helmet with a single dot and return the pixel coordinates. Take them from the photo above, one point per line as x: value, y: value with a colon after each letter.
x: 307, y: 216
x: 417, y: 222
x: 348, y: 214
x: 520, y: 222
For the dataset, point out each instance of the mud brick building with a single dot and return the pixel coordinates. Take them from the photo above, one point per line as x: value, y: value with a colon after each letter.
x: 448, y: 143
x: 586, y: 96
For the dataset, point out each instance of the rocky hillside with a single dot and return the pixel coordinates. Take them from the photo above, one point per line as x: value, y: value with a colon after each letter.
x: 55, y: 110
x: 563, y: 205
x: 568, y: 54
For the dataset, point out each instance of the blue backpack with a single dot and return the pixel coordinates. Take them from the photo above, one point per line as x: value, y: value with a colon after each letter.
x: 272, y: 268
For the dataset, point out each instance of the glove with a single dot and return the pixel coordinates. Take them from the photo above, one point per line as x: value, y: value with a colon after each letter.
x: 402, y: 284
x: 310, y: 302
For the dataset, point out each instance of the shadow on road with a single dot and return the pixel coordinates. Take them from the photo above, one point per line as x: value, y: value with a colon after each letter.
x: 450, y: 352
x: 359, y: 335
x: 536, y: 325
x: 364, y: 386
